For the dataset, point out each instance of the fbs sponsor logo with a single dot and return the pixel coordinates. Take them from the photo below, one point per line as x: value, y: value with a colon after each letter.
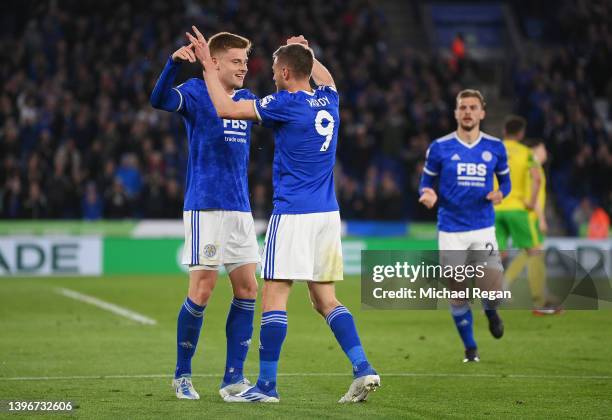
x: 472, y: 169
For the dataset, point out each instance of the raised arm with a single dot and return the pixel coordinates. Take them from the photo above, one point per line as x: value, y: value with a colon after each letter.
x: 164, y: 97
x: 320, y: 74
x: 225, y: 106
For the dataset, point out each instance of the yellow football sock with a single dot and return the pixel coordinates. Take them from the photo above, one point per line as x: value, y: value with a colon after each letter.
x: 536, y: 275
x: 516, y: 267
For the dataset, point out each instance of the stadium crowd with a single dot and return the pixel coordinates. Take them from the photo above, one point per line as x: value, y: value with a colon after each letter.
x: 556, y: 91
x: 78, y: 138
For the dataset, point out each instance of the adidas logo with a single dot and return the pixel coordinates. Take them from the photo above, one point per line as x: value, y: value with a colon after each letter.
x: 455, y: 157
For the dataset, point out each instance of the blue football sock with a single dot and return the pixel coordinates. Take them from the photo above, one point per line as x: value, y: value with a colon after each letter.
x: 187, y: 333
x: 342, y: 324
x: 463, y: 320
x: 238, y: 330
x: 271, y: 337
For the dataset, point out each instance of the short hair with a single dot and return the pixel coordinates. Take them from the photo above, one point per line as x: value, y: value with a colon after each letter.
x: 471, y: 93
x: 514, y: 124
x: 224, y: 41
x: 299, y: 58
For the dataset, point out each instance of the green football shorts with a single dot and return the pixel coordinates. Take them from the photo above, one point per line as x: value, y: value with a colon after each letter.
x: 516, y: 224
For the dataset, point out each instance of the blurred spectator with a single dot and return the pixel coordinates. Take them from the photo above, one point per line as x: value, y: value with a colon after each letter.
x: 116, y: 202
x: 35, y: 205
x: 262, y: 206
x: 12, y: 199
x: 154, y: 200
x: 61, y: 192
x: 129, y: 175
x: 458, y: 56
x: 174, y: 200
x: 93, y: 205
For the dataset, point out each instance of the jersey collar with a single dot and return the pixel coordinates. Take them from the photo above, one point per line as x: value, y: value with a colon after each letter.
x: 469, y: 146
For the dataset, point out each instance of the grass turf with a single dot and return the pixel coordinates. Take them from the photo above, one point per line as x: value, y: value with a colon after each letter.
x: 556, y: 367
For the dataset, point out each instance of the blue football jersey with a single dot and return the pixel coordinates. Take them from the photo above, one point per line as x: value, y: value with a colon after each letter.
x: 305, y: 128
x: 465, y: 177
x: 218, y: 151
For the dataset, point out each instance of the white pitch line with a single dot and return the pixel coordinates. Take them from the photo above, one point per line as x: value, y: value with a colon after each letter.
x: 319, y: 374
x: 111, y: 307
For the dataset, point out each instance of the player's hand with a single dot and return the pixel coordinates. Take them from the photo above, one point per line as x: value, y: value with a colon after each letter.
x: 200, y: 48
x: 529, y: 205
x: 495, y: 196
x: 185, y: 53
x: 428, y: 198
x: 298, y: 40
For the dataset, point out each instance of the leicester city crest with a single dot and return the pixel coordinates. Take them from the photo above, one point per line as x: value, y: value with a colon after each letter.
x: 210, y: 250
x: 487, y: 156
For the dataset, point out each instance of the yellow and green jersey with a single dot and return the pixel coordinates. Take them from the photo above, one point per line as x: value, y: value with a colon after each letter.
x: 520, y: 161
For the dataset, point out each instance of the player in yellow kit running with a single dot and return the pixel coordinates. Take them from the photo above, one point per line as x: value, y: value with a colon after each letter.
x: 537, y: 221
x: 512, y: 214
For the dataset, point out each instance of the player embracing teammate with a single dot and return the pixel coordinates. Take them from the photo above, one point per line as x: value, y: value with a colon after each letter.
x: 219, y: 227
x: 303, y: 238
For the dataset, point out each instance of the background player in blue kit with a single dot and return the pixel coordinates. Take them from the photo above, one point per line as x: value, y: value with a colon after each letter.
x: 219, y: 227
x: 303, y: 238
x: 465, y: 162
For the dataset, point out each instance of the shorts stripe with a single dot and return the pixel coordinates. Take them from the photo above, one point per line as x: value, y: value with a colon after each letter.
x: 274, y: 244
x: 192, y: 239
x: 267, y: 250
x: 270, y: 230
x: 270, y: 248
x: 198, y: 241
x: 195, y: 235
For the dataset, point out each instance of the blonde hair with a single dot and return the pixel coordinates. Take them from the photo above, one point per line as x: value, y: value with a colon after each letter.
x: 224, y: 41
x: 471, y: 93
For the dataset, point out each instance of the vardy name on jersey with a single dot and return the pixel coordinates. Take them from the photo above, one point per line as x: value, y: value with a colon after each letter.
x: 305, y: 128
x: 218, y: 152
x: 465, y: 175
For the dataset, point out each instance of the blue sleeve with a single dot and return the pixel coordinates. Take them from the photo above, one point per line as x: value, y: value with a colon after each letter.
x: 433, y: 164
x: 251, y: 96
x: 188, y: 93
x: 505, y: 185
x: 164, y: 96
x: 502, y: 171
x: 273, y: 108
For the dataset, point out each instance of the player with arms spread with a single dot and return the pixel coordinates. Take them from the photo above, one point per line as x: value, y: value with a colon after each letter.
x: 303, y: 239
x: 464, y: 162
x: 219, y: 227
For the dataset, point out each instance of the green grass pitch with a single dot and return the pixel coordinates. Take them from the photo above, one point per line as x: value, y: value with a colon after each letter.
x: 548, y: 367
